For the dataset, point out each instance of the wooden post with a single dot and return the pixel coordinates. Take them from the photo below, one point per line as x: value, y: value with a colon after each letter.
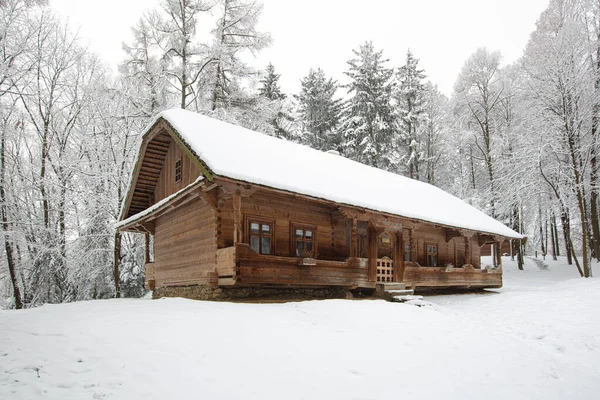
x: 237, y: 217
x: 468, y: 251
x: 399, y: 258
x: 372, y: 255
x: 413, y: 248
x: 354, y: 239
x: 498, y: 254
x: 147, y: 249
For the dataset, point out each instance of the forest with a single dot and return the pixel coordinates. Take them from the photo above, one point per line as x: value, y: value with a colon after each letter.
x: 518, y: 141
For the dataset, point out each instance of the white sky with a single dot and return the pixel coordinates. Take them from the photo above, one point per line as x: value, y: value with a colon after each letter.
x: 322, y: 33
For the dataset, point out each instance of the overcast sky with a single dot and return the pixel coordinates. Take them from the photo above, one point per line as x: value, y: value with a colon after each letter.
x: 322, y: 33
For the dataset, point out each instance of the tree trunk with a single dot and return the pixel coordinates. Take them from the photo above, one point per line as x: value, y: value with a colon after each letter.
x: 541, y: 230
x: 555, y: 234
x: 566, y: 226
x: 6, y: 228
x: 553, y: 238
x: 117, y: 263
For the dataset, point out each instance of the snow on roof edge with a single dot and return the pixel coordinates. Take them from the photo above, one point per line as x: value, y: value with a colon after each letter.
x: 156, y: 206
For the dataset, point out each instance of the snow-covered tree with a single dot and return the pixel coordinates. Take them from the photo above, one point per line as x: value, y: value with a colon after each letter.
x: 235, y: 34
x: 270, y: 86
x: 367, y: 122
x: 175, y: 32
x: 410, y: 98
x: 319, y: 110
x: 478, y: 95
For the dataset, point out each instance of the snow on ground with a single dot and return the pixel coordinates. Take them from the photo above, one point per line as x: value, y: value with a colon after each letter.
x: 536, y: 338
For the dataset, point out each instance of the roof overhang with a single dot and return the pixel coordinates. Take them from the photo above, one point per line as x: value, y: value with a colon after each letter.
x: 144, y: 221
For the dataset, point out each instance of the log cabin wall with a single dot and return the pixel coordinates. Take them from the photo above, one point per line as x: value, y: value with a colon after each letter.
x: 166, y: 182
x: 225, y: 219
x: 452, y: 252
x: 284, y: 210
x: 185, y: 245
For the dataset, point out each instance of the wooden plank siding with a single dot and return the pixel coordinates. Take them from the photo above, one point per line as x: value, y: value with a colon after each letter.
x: 166, y: 184
x: 185, y: 245
x: 285, y: 211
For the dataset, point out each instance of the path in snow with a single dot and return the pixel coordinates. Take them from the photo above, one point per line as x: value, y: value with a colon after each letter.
x: 538, y: 337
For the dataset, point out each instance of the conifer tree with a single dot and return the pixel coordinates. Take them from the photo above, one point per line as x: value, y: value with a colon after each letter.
x: 368, y: 134
x: 410, y: 101
x: 270, y: 88
x: 319, y: 111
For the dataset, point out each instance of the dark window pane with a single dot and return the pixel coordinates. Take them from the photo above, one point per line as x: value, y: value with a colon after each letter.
x: 254, y: 227
x: 434, y: 261
x: 308, y: 246
x: 255, y: 243
x: 266, y: 245
x: 299, y: 249
x: 299, y: 233
x: 266, y: 228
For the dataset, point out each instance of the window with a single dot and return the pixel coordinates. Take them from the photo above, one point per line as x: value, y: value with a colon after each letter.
x: 432, y: 255
x: 407, y: 256
x: 304, y: 237
x: 178, y: 170
x: 362, y: 246
x: 260, y: 233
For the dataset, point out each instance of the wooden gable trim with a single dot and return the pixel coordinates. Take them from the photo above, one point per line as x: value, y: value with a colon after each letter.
x: 141, y: 179
x: 206, y: 171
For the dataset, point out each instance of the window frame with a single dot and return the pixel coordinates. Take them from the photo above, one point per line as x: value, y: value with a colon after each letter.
x: 178, y: 169
x: 437, y: 254
x: 261, y: 221
x: 407, y: 252
x: 294, y: 241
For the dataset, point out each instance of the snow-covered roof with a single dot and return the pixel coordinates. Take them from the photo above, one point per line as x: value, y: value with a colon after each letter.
x: 239, y: 153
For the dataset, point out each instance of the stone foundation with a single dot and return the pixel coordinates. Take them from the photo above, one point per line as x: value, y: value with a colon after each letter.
x: 202, y: 292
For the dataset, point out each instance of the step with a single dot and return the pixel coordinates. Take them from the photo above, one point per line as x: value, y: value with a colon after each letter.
x: 384, y: 286
x: 405, y: 298
x: 391, y: 293
x: 405, y: 292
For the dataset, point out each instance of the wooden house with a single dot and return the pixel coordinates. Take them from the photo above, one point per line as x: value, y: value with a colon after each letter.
x: 227, y: 211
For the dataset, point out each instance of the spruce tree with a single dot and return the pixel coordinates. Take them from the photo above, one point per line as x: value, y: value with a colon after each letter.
x: 319, y: 111
x: 367, y: 127
x: 270, y: 87
x: 410, y: 102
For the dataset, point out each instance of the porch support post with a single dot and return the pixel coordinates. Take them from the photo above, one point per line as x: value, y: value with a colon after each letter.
x: 372, y: 255
x: 398, y: 257
x: 354, y: 239
x: 237, y: 217
x: 499, y: 254
x: 467, y: 235
x: 147, y: 248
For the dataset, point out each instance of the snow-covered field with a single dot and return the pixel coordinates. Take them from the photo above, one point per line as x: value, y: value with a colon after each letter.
x: 537, y: 338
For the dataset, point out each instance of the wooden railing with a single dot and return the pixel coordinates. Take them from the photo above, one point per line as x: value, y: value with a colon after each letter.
x: 245, y: 266
x: 240, y: 265
x: 442, y: 277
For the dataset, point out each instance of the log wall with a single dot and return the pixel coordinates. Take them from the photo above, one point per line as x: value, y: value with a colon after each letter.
x: 285, y: 211
x: 166, y: 182
x: 185, y: 245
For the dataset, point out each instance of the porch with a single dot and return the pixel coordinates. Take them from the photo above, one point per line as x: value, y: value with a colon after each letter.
x: 239, y: 265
